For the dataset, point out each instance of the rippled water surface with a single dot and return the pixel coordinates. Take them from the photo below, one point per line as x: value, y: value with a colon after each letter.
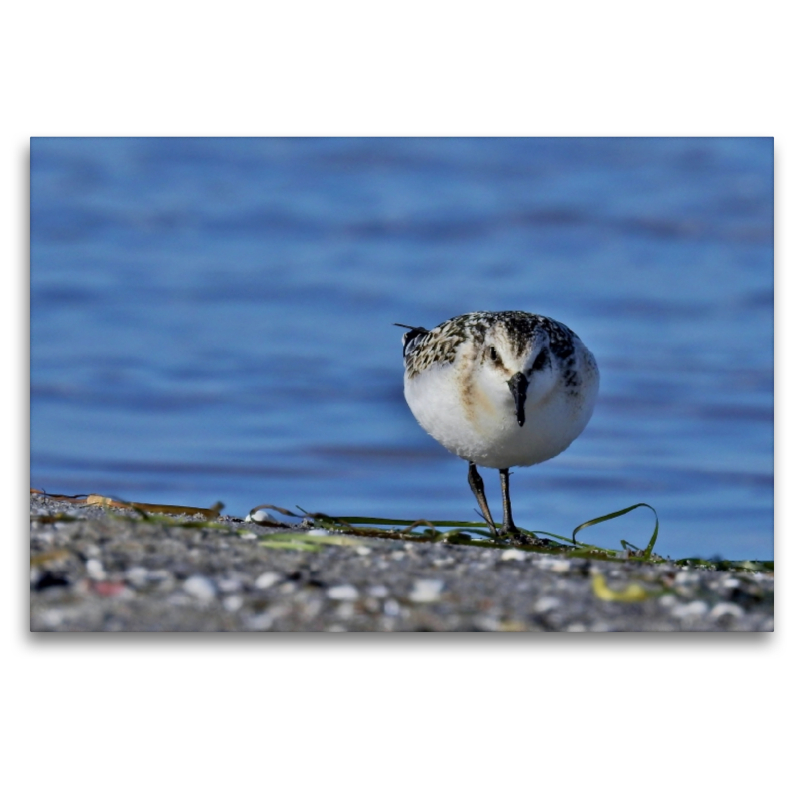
x: 212, y: 320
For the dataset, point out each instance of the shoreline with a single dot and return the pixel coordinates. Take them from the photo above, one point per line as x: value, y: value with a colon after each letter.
x: 93, y: 569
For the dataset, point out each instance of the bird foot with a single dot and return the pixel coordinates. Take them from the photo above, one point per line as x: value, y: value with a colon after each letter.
x: 516, y: 536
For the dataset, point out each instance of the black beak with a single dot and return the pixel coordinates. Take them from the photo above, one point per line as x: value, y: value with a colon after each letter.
x: 519, y: 388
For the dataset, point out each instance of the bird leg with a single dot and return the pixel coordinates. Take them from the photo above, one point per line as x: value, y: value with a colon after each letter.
x: 476, y: 484
x: 509, y: 529
x: 508, y: 521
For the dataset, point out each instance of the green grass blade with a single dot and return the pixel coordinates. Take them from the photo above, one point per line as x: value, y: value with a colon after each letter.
x: 648, y: 550
x: 439, y: 523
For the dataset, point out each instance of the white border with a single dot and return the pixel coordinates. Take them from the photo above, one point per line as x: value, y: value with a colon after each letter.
x: 394, y: 715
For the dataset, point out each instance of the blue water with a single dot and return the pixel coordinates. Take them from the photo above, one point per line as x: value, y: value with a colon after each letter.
x: 211, y: 319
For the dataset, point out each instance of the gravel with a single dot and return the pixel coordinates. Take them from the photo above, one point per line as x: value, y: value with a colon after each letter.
x: 105, y: 571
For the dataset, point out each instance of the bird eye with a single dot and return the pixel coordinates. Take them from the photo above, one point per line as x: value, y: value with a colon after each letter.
x: 541, y: 361
x: 493, y: 354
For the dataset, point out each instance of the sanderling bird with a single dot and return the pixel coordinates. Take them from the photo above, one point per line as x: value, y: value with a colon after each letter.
x: 500, y: 389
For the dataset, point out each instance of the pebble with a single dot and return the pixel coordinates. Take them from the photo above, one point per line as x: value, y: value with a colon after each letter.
x: 232, y: 602
x: 545, y: 604
x: 266, y: 579
x: 345, y: 592
x: 94, y: 569
x: 179, y: 600
x: 487, y: 622
x: 723, y: 609
x: 260, y: 622
x: 111, y: 589
x: 697, y: 608
x: 200, y: 587
x: 137, y: 576
x: 426, y: 591
x: 311, y: 607
x: 576, y: 627
x: 391, y: 608
x: 52, y: 617
x: 345, y: 610
x: 513, y: 555
x: 261, y: 517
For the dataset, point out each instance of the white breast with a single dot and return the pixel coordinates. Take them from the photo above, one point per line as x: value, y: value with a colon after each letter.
x: 478, y: 423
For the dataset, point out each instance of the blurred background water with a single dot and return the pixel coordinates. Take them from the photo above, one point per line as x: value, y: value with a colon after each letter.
x: 211, y: 319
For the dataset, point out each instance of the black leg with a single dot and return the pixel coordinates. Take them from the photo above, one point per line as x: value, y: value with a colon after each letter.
x: 508, y: 520
x: 476, y: 484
